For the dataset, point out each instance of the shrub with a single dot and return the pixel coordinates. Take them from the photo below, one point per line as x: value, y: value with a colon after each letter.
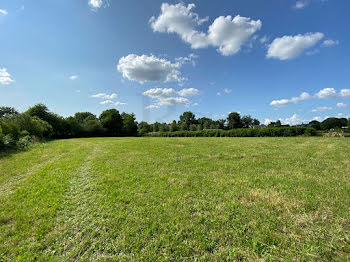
x: 24, y: 142
x: 240, y: 132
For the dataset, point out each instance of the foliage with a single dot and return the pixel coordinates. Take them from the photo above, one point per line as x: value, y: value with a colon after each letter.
x: 241, y: 132
x: 234, y: 120
x: 112, y: 121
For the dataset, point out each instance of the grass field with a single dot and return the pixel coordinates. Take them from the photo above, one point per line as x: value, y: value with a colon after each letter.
x: 206, y: 199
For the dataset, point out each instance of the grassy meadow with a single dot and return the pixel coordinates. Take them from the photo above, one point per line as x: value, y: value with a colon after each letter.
x: 161, y: 199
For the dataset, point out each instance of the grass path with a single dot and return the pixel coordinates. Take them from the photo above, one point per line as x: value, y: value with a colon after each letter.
x: 206, y: 199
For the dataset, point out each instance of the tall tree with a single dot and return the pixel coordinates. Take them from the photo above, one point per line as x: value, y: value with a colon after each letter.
x: 129, y: 124
x: 188, y: 118
x: 234, y: 120
x: 112, y: 121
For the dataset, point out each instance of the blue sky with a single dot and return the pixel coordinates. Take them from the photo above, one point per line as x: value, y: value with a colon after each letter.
x: 274, y: 59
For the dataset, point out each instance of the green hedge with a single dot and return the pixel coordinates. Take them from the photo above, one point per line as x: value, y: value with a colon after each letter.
x: 241, y: 132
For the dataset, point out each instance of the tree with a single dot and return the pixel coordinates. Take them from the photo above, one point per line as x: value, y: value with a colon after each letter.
x: 256, y: 122
x: 144, y: 128
x: 112, y: 121
x: 188, y: 118
x: 81, y: 116
x: 247, y: 121
x: 93, y: 127
x: 129, y: 124
x: 332, y: 122
x: 234, y: 120
x: 183, y: 127
x: 315, y: 124
x: 7, y: 111
x: 193, y: 127
x: 174, y: 127
x: 57, y: 122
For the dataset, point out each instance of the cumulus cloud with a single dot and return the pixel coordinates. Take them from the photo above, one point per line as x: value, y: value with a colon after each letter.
x: 166, y: 96
x: 331, y: 93
x: 95, y: 3
x: 293, y: 120
x: 172, y: 101
x: 2, y: 11
x: 228, y: 33
x: 341, y: 105
x: 321, y: 109
x: 330, y: 42
x: 149, y: 69
x: 294, y: 100
x: 188, y: 92
x: 5, y: 77
x: 159, y: 92
x: 110, y: 102
x: 289, y: 47
x: 105, y: 96
x: 74, y: 77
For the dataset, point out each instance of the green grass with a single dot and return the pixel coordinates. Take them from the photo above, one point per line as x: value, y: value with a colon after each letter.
x: 204, y: 199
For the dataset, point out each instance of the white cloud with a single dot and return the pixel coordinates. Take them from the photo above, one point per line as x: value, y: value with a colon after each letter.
x: 218, y: 93
x: 95, y: 3
x: 321, y: 109
x: 331, y: 93
x: 188, y: 92
x: 110, y: 102
x: 288, y: 47
x: 301, y: 4
x: 73, y: 77
x: 344, y: 93
x: 227, y: 90
x: 5, y: 77
x: 327, y: 93
x: 267, y: 121
x: 294, y: 100
x: 105, y: 96
x: 341, y: 105
x: 164, y: 97
x: 172, y: 101
x: 330, y: 42
x: 195, y: 104
x: 159, y: 92
x: 149, y: 69
x: 293, y: 120
x: 191, y: 58
x: 2, y: 11
x: 317, y: 118
x: 152, y: 107
x: 226, y: 33
x: 229, y: 34
x: 264, y: 39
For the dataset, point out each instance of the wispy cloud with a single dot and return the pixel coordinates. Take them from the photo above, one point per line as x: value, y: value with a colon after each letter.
x: 73, y: 77
x: 4, y: 12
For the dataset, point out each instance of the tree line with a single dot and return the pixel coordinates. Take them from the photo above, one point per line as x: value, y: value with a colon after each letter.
x: 38, y: 122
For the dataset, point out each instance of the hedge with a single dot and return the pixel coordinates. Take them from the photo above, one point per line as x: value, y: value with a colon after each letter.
x: 241, y: 132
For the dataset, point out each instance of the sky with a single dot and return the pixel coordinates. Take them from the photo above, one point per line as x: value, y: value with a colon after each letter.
x: 271, y: 59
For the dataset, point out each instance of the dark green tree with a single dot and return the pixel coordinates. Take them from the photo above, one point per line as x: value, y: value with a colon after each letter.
x: 112, y: 121
x: 129, y: 124
x: 234, y: 120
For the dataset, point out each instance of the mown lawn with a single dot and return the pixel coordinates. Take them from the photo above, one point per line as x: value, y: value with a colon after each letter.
x: 205, y: 199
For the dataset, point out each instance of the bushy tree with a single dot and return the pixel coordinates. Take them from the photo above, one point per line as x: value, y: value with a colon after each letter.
x: 112, y: 121
x: 247, y: 121
x: 234, y: 120
x: 6, y: 111
x: 315, y: 124
x: 333, y: 122
x: 129, y: 124
x: 144, y: 128
x: 174, y: 126
x: 188, y: 118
